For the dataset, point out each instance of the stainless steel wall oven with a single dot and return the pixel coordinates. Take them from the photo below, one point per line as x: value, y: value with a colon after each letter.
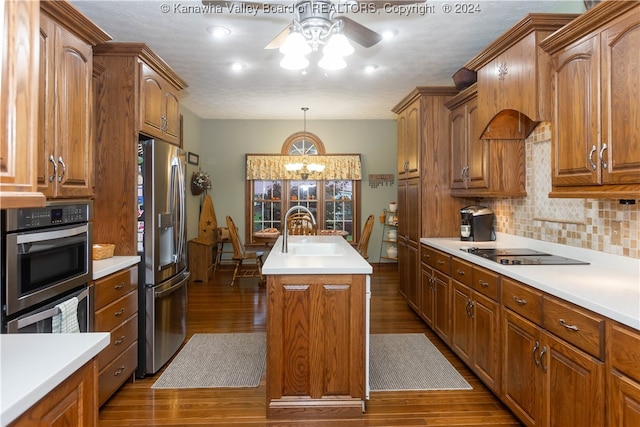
x: 46, y: 260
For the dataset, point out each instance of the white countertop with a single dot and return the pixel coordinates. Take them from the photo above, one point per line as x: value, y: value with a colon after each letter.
x: 31, y: 365
x: 104, y: 267
x: 610, y: 285
x: 348, y: 262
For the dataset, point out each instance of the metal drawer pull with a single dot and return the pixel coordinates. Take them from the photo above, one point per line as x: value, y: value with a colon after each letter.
x: 535, y: 350
x: 120, y: 286
x: 566, y: 325
x: 520, y: 301
x: 602, y: 162
x: 55, y: 168
x: 119, y: 341
x: 460, y: 272
x: 64, y: 169
x: 593, y: 165
x: 119, y: 312
x: 119, y: 371
x: 483, y: 283
x: 544, y: 367
x: 440, y: 262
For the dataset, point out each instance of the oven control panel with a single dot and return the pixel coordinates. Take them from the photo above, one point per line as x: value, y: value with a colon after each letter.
x: 52, y: 215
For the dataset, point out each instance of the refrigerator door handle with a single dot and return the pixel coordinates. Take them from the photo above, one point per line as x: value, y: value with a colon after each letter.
x: 180, y: 215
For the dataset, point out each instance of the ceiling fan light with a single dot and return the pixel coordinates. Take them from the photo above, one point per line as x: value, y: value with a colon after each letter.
x: 332, y: 62
x: 294, y: 62
x: 295, y: 44
x: 338, y: 45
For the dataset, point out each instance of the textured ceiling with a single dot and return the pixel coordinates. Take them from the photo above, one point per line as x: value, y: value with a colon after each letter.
x: 426, y: 51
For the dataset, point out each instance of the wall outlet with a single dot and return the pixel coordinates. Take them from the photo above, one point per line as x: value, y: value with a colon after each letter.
x: 616, y: 232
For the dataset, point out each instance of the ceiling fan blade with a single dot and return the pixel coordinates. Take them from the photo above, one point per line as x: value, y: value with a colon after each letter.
x: 358, y: 32
x: 279, y: 39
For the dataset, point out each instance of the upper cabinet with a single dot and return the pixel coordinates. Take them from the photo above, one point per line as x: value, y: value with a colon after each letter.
x: 514, y: 78
x: 596, y: 134
x: 19, y: 104
x: 409, y: 141
x: 477, y: 165
x: 65, y: 119
x: 159, y: 106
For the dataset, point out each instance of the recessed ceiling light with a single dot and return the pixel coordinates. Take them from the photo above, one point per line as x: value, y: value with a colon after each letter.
x: 389, y: 34
x: 219, y: 31
x: 369, y: 69
x: 237, y: 66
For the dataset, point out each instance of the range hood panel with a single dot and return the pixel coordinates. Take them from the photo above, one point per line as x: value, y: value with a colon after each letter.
x: 509, y: 124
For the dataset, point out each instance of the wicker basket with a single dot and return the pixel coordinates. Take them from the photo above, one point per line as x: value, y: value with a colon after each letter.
x: 103, y: 251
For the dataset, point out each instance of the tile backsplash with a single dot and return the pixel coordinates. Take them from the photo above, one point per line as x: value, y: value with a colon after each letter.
x: 599, y: 224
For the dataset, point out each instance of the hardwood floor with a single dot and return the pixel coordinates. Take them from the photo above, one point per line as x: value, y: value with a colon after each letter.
x: 216, y: 307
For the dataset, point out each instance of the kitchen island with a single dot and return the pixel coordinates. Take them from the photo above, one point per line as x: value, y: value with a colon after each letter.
x: 317, y: 328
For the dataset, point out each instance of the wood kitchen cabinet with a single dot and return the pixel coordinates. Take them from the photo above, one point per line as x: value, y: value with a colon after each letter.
x: 65, y: 119
x: 409, y: 141
x: 475, y: 321
x: 122, y: 92
x: 623, y: 375
x: 513, y: 76
x: 546, y: 380
x: 159, y: 106
x: 19, y: 105
x: 72, y: 403
x: 596, y: 94
x: 478, y: 165
x: 116, y: 305
x: 435, y: 294
x: 316, y: 346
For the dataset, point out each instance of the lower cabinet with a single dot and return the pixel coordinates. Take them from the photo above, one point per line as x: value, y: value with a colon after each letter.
x: 435, y: 309
x: 116, y: 305
x: 72, y: 403
x: 623, y: 376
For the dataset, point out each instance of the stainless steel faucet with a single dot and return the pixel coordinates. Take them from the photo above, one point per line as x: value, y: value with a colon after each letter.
x: 285, y: 232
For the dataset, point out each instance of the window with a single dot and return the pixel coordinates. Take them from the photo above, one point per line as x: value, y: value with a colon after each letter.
x: 334, y: 202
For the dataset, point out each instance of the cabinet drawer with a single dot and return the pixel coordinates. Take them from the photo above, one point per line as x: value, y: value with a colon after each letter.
x: 623, y: 349
x: 574, y: 325
x: 461, y: 271
x: 486, y: 282
x: 522, y: 299
x: 115, y: 286
x: 112, y: 315
x: 121, y: 338
x: 117, y: 372
x: 427, y: 255
x: 436, y: 259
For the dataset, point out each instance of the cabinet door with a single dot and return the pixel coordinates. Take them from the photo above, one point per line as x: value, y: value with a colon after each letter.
x: 442, y: 306
x: 172, y: 116
x: 620, y: 98
x: 74, y: 145
x: 413, y: 277
x: 18, y: 104
x: 575, y: 141
x: 521, y: 374
x: 47, y: 165
x: 403, y: 267
x: 477, y: 149
x: 402, y: 141
x: 428, y: 295
x: 574, y: 385
x: 151, y: 101
x: 458, y: 129
x: 412, y: 209
x: 624, y: 401
x: 461, y: 321
x: 412, y: 153
x: 486, y: 340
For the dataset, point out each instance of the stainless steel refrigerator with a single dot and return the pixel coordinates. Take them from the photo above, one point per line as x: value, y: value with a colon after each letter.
x: 161, y: 244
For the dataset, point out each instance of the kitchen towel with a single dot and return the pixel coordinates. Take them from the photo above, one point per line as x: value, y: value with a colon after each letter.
x: 66, y: 321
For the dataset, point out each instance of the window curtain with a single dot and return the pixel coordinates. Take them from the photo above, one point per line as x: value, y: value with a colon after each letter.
x: 266, y: 167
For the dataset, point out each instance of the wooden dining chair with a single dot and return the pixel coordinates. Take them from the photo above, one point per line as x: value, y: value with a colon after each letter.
x: 240, y: 255
x: 363, y: 243
x: 301, y: 224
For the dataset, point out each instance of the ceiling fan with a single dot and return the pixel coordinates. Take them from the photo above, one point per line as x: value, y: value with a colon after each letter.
x: 317, y: 19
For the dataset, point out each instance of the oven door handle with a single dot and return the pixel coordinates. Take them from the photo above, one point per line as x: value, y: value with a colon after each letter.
x: 46, y: 314
x: 52, y: 235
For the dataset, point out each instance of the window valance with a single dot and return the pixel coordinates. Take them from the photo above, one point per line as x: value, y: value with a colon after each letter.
x: 265, y: 166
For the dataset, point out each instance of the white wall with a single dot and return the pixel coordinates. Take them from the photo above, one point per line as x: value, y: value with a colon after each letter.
x: 224, y: 143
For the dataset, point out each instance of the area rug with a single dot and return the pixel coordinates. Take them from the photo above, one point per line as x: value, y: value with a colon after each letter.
x: 410, y: 362
x: 217, y: 360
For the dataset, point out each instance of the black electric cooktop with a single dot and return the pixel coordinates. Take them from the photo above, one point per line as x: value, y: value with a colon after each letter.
x: 522, y: 256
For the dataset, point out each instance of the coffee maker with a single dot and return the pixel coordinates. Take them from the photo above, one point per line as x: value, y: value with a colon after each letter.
x: 476, y: 224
